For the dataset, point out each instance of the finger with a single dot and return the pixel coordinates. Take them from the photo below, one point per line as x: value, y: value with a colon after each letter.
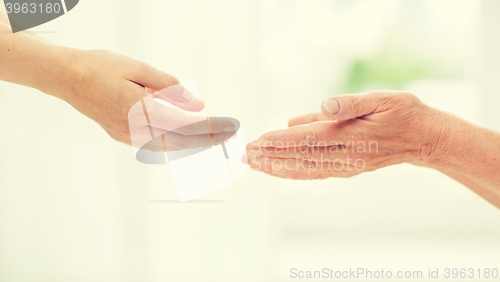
x: 182, y: 142
x: 292, y: 164
x: 303, y: 169
x: 177, y: 93
x: 360, y: 155
x: 307, y: 119
x: 357, y: 105
x: 171, y: 141
x: 172, y: 148
x: 295, y: 175
x: 172, y: 119
x: 306, y: 152
x: 167, y: 86
x: 258, y: 167
x: 323, y: 133
x: 204, y: 126
x: 195, y: 105
x: 154, y: 145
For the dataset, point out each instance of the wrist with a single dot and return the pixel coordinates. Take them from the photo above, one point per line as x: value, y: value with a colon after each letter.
x: 444, y: 133
x: 434, y: 131
x: 58, y: 71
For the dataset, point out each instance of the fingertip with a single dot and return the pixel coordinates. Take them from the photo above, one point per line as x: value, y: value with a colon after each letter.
x: 251, y: 145
x: 244, y: 159
x: 292, y: 122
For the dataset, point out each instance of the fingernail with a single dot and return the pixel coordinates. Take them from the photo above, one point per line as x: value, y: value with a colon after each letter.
x: 255, y: 152
x: 228, y: 128
x: 264, y: 143
x: 332, y: 106
x: 187, y: 95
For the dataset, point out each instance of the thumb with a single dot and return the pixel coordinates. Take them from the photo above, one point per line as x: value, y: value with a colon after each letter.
x: 355, y: 105
x: 166, y: 86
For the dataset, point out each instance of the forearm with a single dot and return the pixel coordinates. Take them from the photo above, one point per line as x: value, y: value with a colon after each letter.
x: 471, y: 155
x: 28, y: 61
x: 473, y: 151
x: 5, y: 19
x: 474, y: 186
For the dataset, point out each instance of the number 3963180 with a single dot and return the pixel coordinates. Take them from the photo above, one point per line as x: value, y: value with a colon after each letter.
x: 32, y: 8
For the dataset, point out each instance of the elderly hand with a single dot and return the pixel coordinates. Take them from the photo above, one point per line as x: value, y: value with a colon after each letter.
x: 355, y: 133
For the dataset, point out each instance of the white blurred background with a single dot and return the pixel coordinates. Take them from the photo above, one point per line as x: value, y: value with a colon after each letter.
x: 76, y: 206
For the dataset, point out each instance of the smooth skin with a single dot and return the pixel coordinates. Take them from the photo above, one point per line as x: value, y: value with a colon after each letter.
x: 363, y: 132
x: 104, y: 86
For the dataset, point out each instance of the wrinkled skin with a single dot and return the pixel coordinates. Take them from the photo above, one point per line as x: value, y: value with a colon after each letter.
x: 372, y: 130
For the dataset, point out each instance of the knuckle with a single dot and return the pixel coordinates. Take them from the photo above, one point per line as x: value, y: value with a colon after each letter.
x: 311, y: 136
x: 395, y: 99
x: 386, y: 97
x: 407, y: 98
x: 305, y: 153
x: 351, y: 104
